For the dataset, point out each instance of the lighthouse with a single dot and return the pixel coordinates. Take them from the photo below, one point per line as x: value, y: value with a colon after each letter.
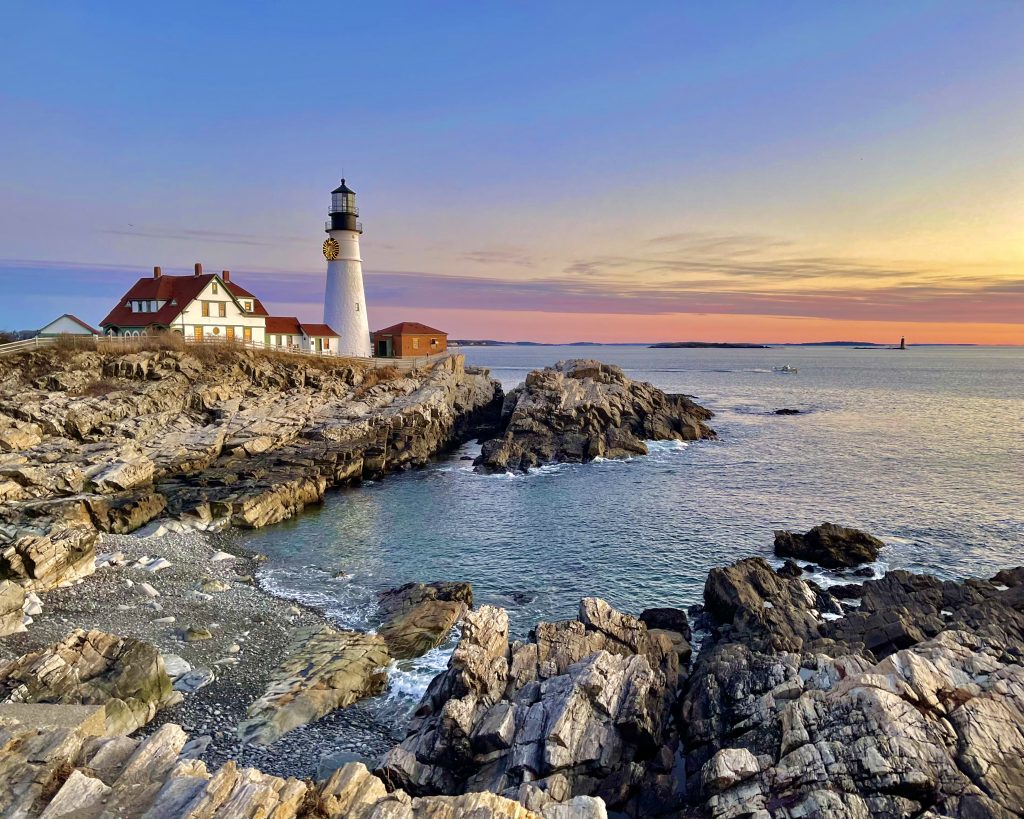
x: 344, y: 298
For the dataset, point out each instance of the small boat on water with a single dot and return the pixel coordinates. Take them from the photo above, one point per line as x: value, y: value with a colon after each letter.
x: 785, y: 368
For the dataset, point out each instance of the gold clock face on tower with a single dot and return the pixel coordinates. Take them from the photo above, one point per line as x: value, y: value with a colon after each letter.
x: 331, y: 249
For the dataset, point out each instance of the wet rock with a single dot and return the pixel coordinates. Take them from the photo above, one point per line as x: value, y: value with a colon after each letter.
x: 92, y: 668
x: 762, y: 608
x: 829, y: 545
x: 421, y: 615
x: 579, y: 410
x: 667, y: 619
x: 787, y: 411
x: 325, y: 669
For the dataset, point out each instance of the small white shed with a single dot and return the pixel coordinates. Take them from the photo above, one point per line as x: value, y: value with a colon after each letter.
x: 67, y: 325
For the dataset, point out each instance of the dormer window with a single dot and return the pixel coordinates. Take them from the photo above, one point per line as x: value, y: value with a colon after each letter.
x: 248, y: 306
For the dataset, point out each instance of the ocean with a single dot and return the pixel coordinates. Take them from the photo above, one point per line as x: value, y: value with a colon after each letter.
x: 922, y: 448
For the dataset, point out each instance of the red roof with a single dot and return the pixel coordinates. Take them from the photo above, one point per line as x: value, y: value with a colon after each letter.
x: 180, y: 289
x: 289, y: 325
x: 317, y: 330
x: 409, y: 328
x: 286, y: 325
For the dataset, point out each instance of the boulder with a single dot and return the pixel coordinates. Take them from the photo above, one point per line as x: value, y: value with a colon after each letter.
x: 124, y: 675
x: 579, y: 410
x: 829, y: 545
x: 12, y: 608
x: 420, y: 616
x: 325, y: 669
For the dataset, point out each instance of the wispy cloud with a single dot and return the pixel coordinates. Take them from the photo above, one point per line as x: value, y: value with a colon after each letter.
x: 696, y: 273
x: 504, y: 257
x: 194, y: 235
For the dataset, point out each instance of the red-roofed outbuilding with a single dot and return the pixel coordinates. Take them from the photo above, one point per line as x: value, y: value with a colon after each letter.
x: 408, y: 339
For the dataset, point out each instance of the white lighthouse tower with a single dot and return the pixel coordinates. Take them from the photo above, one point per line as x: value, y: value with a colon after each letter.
x: 344, y: 298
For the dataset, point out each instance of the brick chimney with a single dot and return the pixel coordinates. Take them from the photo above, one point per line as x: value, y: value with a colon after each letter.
x: 226, y: 275
x: 157, y: 272
x: 199, y: 269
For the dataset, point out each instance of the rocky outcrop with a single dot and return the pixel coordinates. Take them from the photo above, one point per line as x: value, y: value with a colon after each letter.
x: 125, y: 676
x: 55, y: 766
x: 107, y: 442
x: 896, y: 709
x: 829, y: 545
x: 580, y: 709
x: 39, y: 561
x: 325, y: 669
x: 794, y: 706
x: 420, y: 616
x: 579, y: 410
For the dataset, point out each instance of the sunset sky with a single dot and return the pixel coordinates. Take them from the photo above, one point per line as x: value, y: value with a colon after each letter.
x: 735, y: 171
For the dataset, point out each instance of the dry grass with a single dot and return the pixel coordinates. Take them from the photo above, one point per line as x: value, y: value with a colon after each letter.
x: 44, y: 360
x: 375, y: 376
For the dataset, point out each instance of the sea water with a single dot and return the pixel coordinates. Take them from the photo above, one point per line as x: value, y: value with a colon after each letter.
x: 923, y: 448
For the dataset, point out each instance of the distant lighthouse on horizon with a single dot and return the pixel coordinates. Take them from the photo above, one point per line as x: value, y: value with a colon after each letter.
x: 344, y: 297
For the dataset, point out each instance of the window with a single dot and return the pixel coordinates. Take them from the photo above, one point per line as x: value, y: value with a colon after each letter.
x: 433, y: 342
x: 152, y: 307
x: 415, y: 343
x: 248, y: 307
x: 357, y: 307
x: 206, y: 309
x: 214, y: 289
x: 222, y: 309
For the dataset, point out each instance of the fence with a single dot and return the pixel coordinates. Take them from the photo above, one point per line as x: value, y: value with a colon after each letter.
x: 136, y: 343
x: 27, y: 344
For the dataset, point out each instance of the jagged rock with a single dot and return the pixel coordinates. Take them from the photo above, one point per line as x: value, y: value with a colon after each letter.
x: 324, y: 670
x: 126, y: 676
x: 421, y: 615
x: 59, y: 770
x: 580, y: 705
x: 580, y: 410
x: 39, y: 562
x: 829, y: 545
x: 761, y: 607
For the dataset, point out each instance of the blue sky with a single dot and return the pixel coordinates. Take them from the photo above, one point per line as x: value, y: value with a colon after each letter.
x: 723, y: 168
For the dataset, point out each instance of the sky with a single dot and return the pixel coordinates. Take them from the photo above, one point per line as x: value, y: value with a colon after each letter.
x: 729, y: 171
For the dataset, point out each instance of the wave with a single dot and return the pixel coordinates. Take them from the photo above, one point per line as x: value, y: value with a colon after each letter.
x: 408, y: 679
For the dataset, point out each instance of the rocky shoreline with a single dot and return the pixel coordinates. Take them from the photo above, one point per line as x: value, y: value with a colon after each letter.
x: 775, y: 698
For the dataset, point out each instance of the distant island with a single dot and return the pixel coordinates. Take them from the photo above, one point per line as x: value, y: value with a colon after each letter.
x: 488, y: 342
x: 704, y: 344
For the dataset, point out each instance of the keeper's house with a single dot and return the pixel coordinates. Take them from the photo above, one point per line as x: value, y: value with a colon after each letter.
x: 408, y: 339
x: 209, y: 307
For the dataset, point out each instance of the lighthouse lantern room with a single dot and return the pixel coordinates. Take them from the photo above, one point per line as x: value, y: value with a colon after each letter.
x: 344, y: 296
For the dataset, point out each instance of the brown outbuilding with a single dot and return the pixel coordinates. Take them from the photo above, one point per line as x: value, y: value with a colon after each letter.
x: 408, y: 339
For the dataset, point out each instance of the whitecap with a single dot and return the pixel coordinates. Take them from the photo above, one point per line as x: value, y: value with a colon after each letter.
x: 408, y: 679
